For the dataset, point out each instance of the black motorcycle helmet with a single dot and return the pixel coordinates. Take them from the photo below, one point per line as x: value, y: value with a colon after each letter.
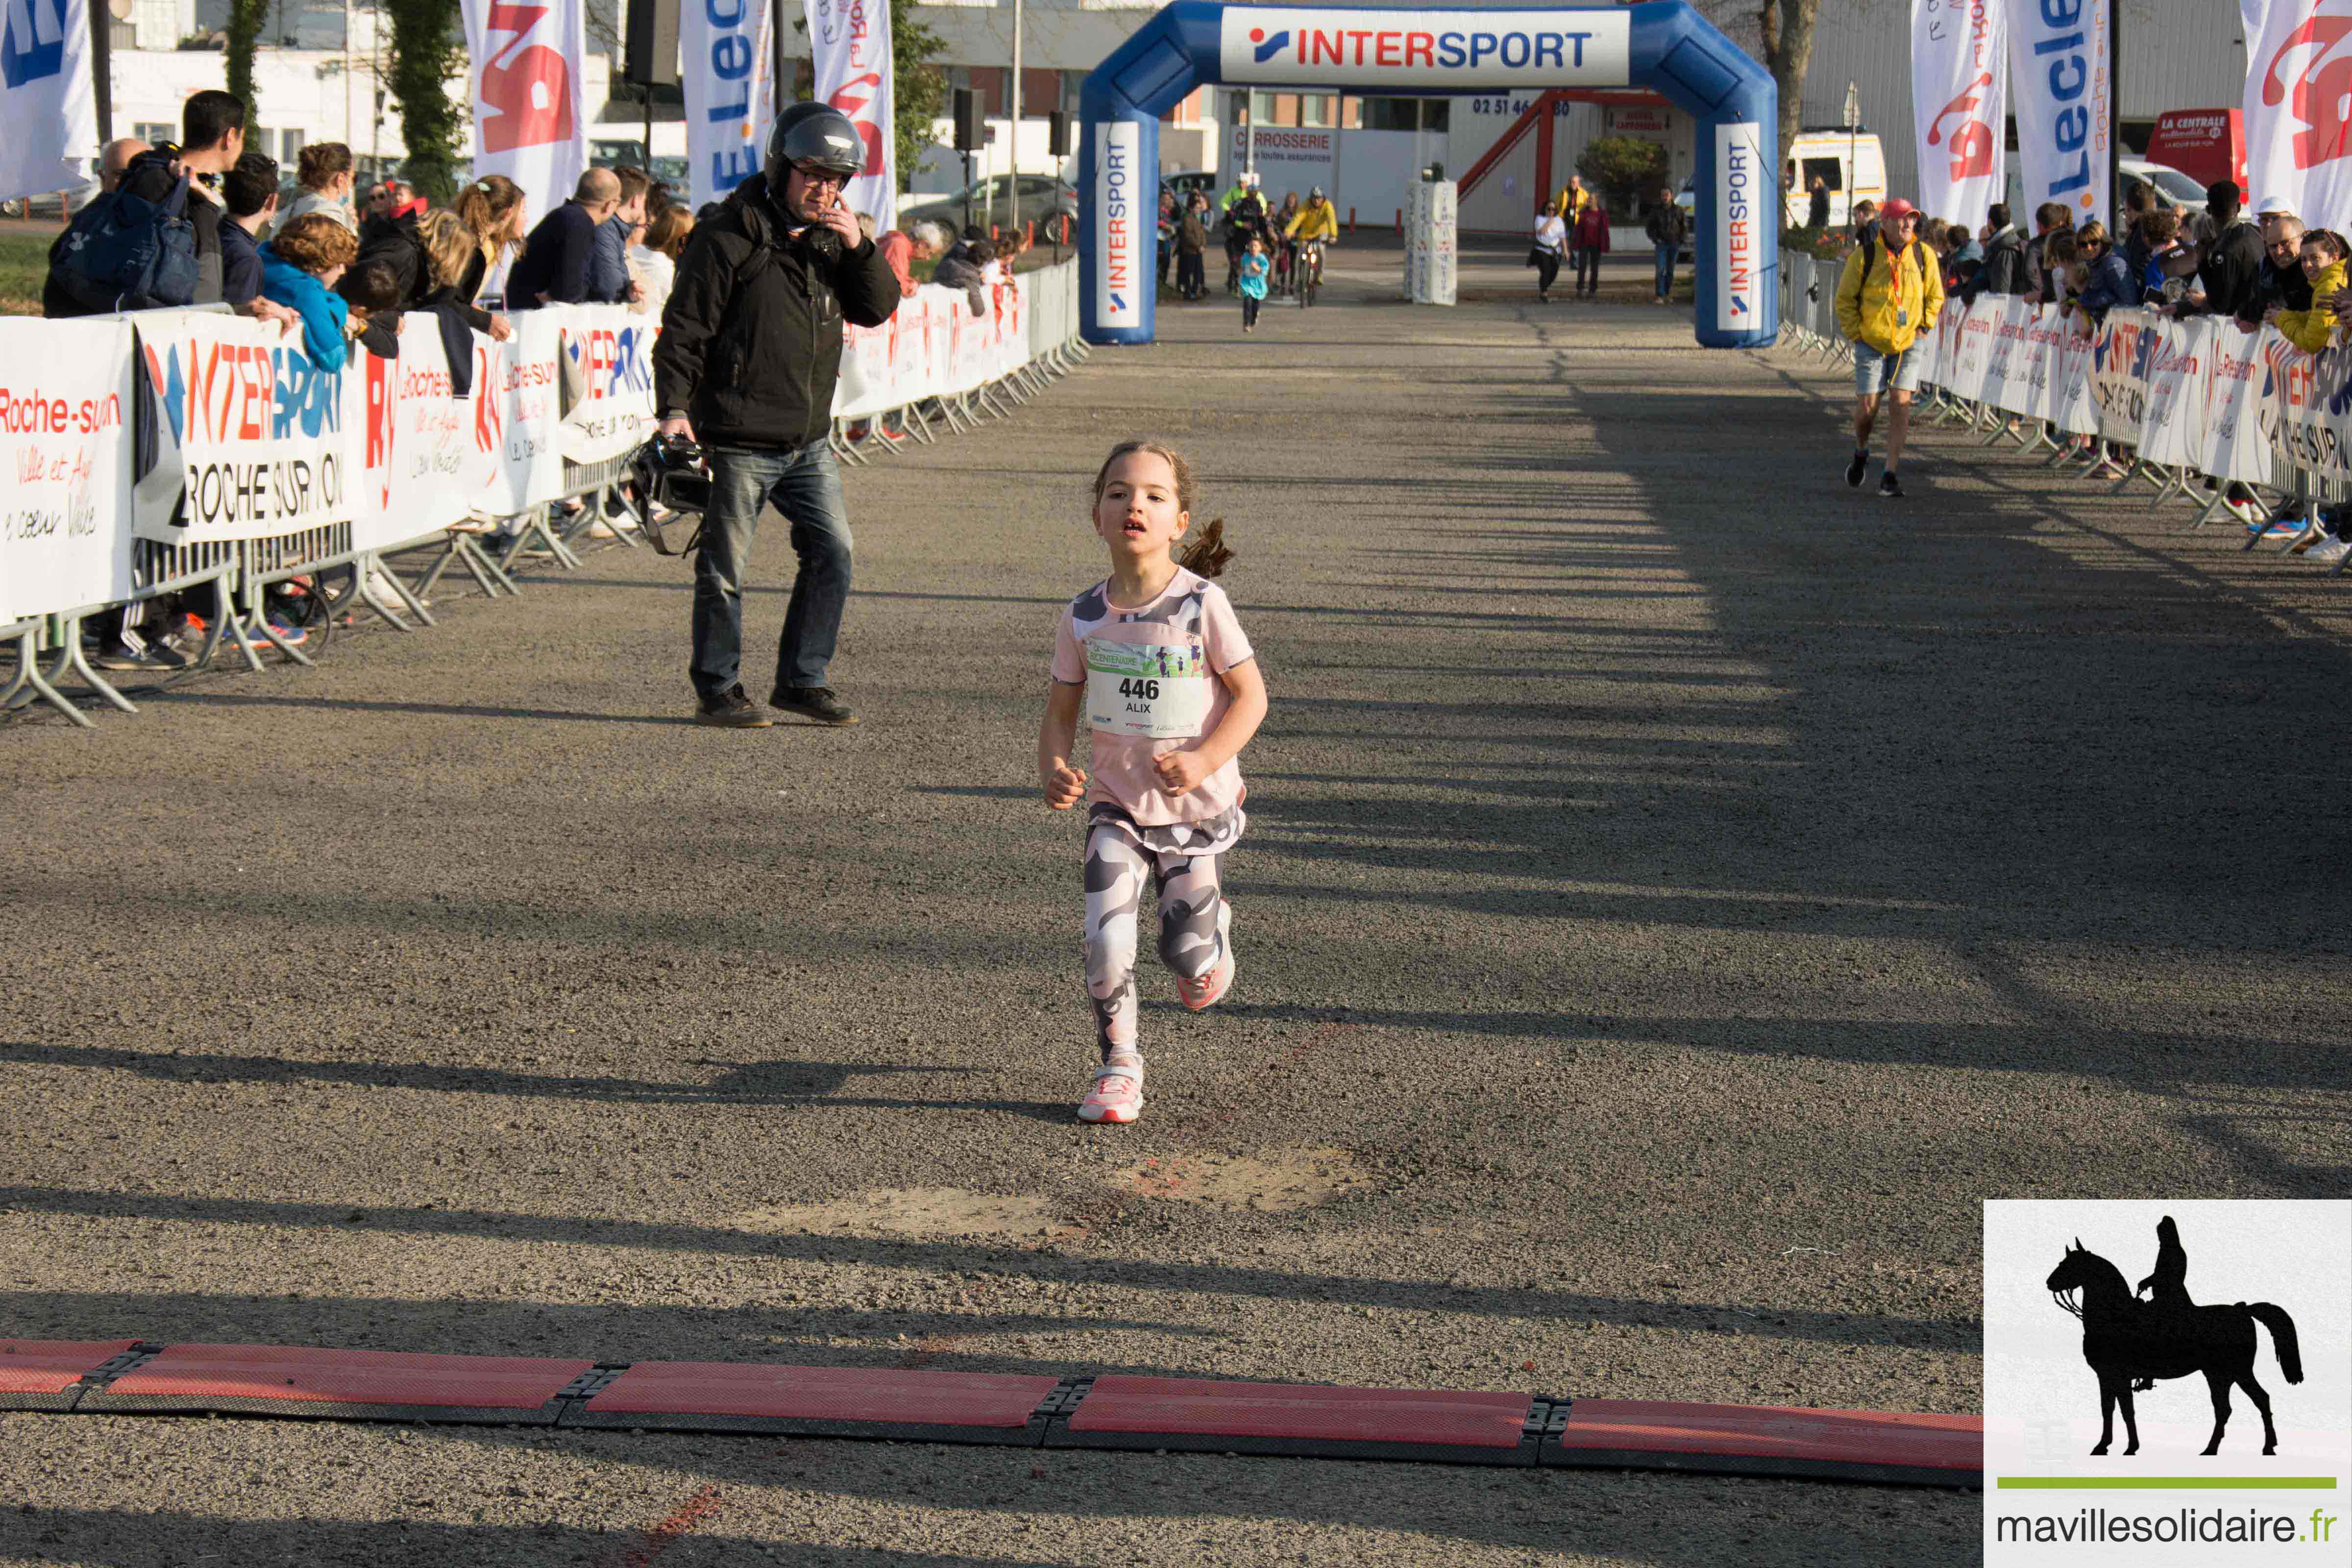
x: 814, y: 133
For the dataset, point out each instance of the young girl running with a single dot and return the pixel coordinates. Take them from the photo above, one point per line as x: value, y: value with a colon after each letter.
x: 1155, y: 660
x: 1252, y: 272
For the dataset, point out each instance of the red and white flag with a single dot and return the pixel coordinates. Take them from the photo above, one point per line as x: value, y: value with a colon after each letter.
x: 2299, y: 108
x: 849, y: 47
x: 529, y: 123
x: 1957, y: 91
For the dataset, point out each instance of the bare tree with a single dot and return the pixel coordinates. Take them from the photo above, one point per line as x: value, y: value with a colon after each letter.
x: 1782, y: 34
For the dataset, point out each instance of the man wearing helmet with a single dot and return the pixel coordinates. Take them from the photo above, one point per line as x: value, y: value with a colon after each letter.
x: 750, y: 348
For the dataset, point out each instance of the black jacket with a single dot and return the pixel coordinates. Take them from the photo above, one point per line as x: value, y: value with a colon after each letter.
x: 393, y: 242
x: 556, y: 260
x: 750, y: 342
x: 2286, y: 286
x: 240, y: 264
x: 151, y: 176
x: 2004, y: 266
x: 2231, y: 272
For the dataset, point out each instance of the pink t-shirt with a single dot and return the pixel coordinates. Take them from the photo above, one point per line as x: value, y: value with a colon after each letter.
x: 1152, y: 687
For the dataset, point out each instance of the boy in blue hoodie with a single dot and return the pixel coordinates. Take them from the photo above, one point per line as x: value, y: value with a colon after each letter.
x: 299, y: 270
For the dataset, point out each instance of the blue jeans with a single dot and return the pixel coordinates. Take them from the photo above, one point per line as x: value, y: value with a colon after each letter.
x: 804, y: 486
x: 1667, y: 253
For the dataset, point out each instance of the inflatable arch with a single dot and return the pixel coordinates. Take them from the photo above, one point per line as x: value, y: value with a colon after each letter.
x: 1662, y: 44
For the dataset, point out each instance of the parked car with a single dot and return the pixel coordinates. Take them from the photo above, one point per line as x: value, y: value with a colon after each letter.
x: 1042, y: 197
x: 2172, y: 189
x: 1184, y: 182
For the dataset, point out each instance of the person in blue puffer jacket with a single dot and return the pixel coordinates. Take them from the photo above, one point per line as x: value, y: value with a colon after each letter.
x: 299, y: 270
x: 2110, y: 280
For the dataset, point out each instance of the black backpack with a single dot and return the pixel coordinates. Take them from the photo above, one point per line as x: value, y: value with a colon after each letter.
x: 124, y: 252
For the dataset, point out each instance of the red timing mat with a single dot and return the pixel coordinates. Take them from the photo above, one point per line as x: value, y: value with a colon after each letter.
x: 40, y: 1375
x: 1743, y: 1439
x: 841, y: 1400
x: 273, y: 1380
x: 1301, y: 1418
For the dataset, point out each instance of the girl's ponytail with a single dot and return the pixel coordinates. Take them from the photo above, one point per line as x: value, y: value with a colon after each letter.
x: 1206, y: 555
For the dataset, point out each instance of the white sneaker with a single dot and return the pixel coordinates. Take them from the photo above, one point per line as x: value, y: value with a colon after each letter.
x: 2329, y: 551
x: 1116, y: 1095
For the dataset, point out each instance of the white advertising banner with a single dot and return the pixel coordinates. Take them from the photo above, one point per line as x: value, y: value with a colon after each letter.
x: 1958, y: 105
x: 2298, y: 154
x: 1296, y: 160
x: 2299, y: 405
x: 726, y: 66
x: 2005, y: 379
x: 249, y: 441
x: 2071, y: 406
x: 529, y: 123
x: 2061, y: 83
x: 2119, y: 360
x: 62, y: 415
x: 849, y: 47
x: 253, y: 431
x: 1122, y: 219
x: 1972, y: 348
x: 2172, y: 424
x: 421, y: 460
x: 2235, y: 376
x: 1452, y: 51
x: 45, y: 98
x: 521, y: 421
x: 607, y: 382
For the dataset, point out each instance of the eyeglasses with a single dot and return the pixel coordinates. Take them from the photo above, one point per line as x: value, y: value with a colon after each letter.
x: 816, y: 177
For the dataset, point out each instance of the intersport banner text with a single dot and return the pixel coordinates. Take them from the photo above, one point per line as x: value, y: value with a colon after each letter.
x: 849, y: 49
x: 1959, y: 101
x: 529, y: 123
x: 727, y: 64
x: 2061, y: 84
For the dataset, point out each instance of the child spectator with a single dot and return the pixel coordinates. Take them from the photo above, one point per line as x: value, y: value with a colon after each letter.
x: 2323, y: 264
x: 371, y: 291
x: 298, y: 270
x: 1551, y: 237
x: 249, y: 192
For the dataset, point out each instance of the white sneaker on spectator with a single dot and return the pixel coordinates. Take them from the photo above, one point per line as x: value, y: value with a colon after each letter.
x: 2329, y: 551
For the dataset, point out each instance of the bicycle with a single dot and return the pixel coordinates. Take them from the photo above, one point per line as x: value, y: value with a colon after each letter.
x: 1308, y: 271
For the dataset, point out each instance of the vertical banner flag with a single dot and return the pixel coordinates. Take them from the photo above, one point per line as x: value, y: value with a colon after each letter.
x: 530, y: 124
x: 2298, y: 118
x: 729, y: 68
x: 849, y: 49
x: 45, y: 92
x: 2061, y: 83
x: 1958, y: 105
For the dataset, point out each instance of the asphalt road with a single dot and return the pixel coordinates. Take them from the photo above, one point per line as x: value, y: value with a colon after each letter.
x: 1679, y: 890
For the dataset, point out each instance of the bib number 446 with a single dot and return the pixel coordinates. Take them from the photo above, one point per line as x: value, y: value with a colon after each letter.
x: 1148, y: 690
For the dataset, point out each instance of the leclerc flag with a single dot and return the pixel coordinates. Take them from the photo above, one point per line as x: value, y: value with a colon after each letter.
x: 727, y: 59
x: 529, y: 122
x: 849, y: 47
x: 1959, y: 66
x: 2061, y: 84
x: 2298, y: 117
x: 44, y: 95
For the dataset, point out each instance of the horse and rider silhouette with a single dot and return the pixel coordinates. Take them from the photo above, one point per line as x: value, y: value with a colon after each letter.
x: 2130, y: 1344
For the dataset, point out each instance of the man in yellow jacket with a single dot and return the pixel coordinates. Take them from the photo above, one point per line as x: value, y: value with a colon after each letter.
x: 1888, y: 296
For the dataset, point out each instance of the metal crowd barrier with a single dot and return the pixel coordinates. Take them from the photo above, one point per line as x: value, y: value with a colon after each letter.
x: 240, y: 573
x: 2295, y: 492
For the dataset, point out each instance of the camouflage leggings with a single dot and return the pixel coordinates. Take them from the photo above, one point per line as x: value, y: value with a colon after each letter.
x: 1189, y: 899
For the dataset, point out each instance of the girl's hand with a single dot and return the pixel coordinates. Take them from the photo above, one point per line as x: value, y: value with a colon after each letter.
x: 1179, y: 773
x: 1064, y: 786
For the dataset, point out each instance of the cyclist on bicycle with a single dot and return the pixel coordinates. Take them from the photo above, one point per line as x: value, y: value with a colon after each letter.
x: 1317, y: 223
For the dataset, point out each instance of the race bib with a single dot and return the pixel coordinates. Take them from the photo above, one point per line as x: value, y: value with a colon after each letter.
x: 1139, y: 684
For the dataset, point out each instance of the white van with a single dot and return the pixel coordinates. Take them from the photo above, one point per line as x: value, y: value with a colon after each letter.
x: 1850, y: 163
